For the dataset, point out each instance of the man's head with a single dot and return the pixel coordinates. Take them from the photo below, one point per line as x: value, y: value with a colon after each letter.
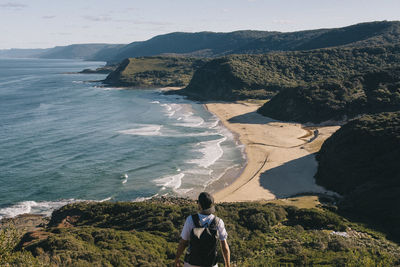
x: 206, y: 203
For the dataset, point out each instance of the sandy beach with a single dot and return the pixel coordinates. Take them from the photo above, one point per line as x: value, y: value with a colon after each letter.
x: 280, y: 159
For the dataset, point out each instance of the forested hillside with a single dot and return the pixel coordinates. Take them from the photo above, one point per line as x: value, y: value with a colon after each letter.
x: 361, y: 162
x: 371, y: 92
x: 263, y: 76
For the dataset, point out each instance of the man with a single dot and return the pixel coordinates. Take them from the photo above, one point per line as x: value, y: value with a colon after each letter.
x: 202, y: 232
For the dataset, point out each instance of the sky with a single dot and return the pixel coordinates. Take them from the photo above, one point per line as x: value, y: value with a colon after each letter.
x: 49, y: 23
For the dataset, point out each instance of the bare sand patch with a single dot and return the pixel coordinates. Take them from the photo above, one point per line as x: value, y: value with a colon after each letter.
x: 280, y: 155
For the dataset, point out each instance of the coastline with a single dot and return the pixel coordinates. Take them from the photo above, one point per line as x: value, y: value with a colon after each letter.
x: 280, y: 156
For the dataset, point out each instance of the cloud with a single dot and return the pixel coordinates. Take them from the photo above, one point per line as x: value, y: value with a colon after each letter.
x: 106, y: 18
x: 13, y: 5
x: 48, y: 17
x: 283, y: 21
x: 98, y: 18
x: 61, y: 33
x: 149, y: 22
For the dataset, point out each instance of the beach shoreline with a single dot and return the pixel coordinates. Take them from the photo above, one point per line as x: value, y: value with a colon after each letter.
x: 280, y: 159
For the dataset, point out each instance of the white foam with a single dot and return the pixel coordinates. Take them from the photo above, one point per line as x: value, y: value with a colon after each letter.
x: 155, y: 102
x: 171, y: 109
x: 140, y: 199
x: 172, y: 181
x: 44, y: 106
x: 44, y: 208
x: 213, y: 124
x: 199, y: 171
x: 125, y: 176
x: 189, y: 120
x: 177, y: 134
x: 211, y: 151
x: 144, y: 130
x: 110, y: 88
x: 39, y: 207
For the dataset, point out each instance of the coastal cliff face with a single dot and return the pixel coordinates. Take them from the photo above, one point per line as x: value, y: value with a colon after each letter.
x: 263, y: 76
x: 360, y: 161
x: 154, y: 72
x: 147, y: 234
x: 372, y: 92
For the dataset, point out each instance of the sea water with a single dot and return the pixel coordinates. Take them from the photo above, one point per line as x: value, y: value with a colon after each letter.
x: 64, y: 139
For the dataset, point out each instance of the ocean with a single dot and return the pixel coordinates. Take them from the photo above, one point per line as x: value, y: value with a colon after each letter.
x: 65, y: 139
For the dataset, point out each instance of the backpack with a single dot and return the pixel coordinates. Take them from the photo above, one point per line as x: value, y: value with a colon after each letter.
x: 202, y: 249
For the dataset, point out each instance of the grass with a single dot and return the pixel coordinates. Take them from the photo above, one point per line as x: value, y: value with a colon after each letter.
x: 158, y: 71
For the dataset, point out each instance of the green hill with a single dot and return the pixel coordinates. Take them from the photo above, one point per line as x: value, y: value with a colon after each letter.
x: 262, y: 76
x: 360, y: 161
x: 154, y: 72
x: 213, y: 44
x: 147, y: 233
x: 372, y: 92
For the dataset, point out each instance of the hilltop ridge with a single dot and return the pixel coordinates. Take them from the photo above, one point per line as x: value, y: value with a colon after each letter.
x: 216, y: 44
x: 212, y: 44
x: 147, y: 234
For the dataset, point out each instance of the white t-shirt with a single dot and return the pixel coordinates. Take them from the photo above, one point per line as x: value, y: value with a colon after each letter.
x: 204, y: 219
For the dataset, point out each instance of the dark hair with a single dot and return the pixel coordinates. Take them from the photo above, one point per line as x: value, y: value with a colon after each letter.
x: 206, y: 200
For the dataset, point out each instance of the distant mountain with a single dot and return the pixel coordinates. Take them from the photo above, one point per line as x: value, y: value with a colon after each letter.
x: 361, y: 162
x: 372, y: 92
x: 263, y: 76
x: 363, y: 34
x: 200, y: 43
x: 22, y: 53
x: 212, y: 44
x: 76, y: 51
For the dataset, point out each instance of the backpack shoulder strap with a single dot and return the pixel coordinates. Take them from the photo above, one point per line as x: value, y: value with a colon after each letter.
x: 196, y: 220
x: 215, y: 222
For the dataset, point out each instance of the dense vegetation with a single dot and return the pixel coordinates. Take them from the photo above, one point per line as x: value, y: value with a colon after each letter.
x: 361, y: 162
x: 262, y: 76
x: 146, y: 234
x: 154, y: 71
x: 212, y: 44
x: 372, y: 92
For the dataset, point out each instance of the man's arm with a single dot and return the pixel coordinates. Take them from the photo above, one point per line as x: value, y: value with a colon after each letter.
x: 226, y: 253
x: 181, y: 247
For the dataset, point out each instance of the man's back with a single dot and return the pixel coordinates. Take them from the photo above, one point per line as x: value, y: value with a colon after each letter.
x: 202, y: 232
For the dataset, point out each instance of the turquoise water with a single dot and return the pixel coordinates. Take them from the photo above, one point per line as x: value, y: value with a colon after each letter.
x: 63, y: 139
